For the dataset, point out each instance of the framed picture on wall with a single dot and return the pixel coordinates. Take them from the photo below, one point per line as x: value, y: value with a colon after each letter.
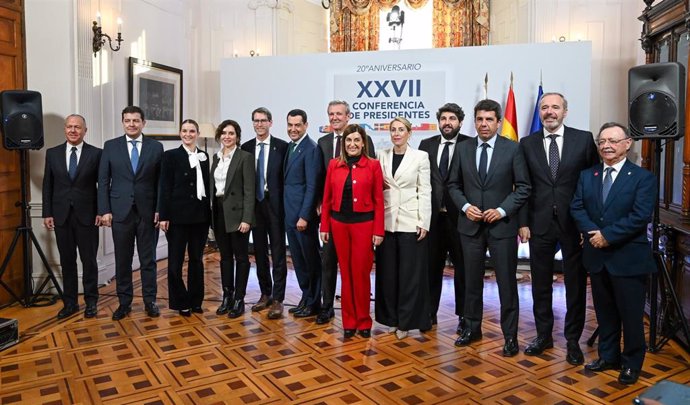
x: 157, y: 89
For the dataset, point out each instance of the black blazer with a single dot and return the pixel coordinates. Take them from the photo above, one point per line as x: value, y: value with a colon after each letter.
x: 439, y: 185
x: 119, y: 188
x: 274, y: 171
x: 178, y: 202
x: 579, y: 153
x: 60, y: 192
x: 507, y: 185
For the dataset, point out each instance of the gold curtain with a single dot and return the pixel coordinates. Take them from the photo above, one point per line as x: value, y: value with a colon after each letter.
x: 460, y: 23
x: 355, y: 23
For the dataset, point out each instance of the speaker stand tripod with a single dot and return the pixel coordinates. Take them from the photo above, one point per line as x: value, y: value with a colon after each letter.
x: 26, y: 234
x: 671, y: 316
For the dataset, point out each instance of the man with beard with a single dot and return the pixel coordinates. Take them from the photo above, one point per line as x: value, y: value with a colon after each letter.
x: 555, y: 157
x: 444, y: 238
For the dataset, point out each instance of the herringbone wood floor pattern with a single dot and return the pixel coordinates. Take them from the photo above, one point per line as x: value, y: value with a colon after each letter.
x: 208, y: 359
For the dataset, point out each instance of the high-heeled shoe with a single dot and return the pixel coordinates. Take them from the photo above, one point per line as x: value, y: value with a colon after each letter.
x: 237, y: 309
x: 227, y: 302
x: 392, y: 329
x: 186, y: 312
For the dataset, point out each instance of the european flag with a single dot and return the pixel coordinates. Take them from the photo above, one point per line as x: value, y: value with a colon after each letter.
x: 536, y: 122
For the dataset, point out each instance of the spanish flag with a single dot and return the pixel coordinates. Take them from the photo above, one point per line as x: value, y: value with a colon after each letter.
x: 509, y: 129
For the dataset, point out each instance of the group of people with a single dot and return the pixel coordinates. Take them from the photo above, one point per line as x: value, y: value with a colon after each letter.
x: 410, y: 209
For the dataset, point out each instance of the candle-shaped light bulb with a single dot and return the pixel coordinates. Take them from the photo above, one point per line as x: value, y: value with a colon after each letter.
x: 98, y: 18
x: 119, y: 25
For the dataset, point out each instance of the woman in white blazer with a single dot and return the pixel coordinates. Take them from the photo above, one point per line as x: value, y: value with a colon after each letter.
x: 402, y: 299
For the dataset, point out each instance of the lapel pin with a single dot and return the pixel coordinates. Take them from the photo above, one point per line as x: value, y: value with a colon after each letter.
x: 596, y: 173
x: 629, y: 173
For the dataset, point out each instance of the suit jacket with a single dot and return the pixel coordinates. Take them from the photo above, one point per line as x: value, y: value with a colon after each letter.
x: 303, y: 173
x: 60, y: 192
x: 622, y: 219
x: 274, y: 172
x: 507, y: 185
x: 119, y: 188
x: 407, y: 195
x: 178, y: 201
x: 548, y: 195
x: 239, y: 196
x: 367, y: 191
x: 439, y: 184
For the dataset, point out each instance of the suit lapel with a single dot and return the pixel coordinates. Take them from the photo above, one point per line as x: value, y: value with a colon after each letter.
x: 597, y: 182
x: 433, y: 151
x: 232, y: 168
x: 619, y: 184
x: 538, y: 147
x: 496, y: 158
x: 471, y: 157
x: 405, y: 163
x: 83, y: 160
x: 329, y: 146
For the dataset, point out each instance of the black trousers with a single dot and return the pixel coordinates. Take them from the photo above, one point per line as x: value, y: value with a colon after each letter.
x: 504, y: 256
x: 142, y: 231
x: 542, y: 249
x: 619, y: 301
x: 71, y: 236
x: 444, y: 239
x: 190, y: 238
x: 402, y: 293
x: 270, y: 226
x: 329, y: 272
x: 232, y: 244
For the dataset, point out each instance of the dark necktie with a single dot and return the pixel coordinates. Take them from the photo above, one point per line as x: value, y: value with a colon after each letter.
x: 483, y: 162
x: 337, y: 146
x: 608, y: 181
x: 134, y: 157
x: 554, y: 158
x: 445, y: 158
x: 293, y: 146
x: 73, y: 163
x: 260, y: 180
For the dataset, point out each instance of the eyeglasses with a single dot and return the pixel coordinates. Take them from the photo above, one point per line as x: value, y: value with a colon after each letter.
x: 602, y: 142
x: 262, y: 121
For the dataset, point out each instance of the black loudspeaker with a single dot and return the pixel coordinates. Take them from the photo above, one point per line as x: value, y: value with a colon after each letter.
x: 656, y: 101
x: 22, y: 119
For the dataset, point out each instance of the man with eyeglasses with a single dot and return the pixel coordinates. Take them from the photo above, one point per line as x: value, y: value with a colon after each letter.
x: 612, y: 206
x: 555, y: 157
x: 269, y: 153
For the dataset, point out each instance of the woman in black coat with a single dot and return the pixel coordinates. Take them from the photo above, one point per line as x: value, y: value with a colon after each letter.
x: 185, y: 215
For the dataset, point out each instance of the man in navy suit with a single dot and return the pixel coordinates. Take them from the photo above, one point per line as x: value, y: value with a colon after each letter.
x: 612, y: 206
x: 270, y: 213
x: 127, y: 199
x: 489, y: 182
x: 444, y: 238
x: 302, y: 182
x: 555, y: 157
x: 69, y: 208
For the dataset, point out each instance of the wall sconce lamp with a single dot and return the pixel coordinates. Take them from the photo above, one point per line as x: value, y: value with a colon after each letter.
x: 99, y: 37
x: 396, y: 18
x: 253, y: 53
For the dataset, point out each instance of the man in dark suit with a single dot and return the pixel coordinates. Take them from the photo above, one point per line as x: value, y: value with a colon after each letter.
x: 127, y: 200
x: 612, y: 206
x: 338, y: 117
x: 443, y: 236
x: 69, y: 208
x: 302, y: 183
x: 555, y: 157
x: 489, y: 182
x: 270, y: 213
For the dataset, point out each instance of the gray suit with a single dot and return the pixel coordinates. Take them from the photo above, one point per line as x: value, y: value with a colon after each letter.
x: 506, y: 186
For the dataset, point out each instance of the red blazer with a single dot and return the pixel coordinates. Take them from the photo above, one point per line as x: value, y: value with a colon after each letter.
x: 367, y: 191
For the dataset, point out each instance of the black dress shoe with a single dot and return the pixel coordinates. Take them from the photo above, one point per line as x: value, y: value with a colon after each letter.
x: 152, y: 309
x: 325, y: 316
x: 538, y: 345
x: 434, y: 320
x: 602, y: 365
x: 574, y: 356
x: 198, y: 310
x: 67, y: 311
x: 468, y: 337
x: 90, y: 311
x: 237, y: 309
x: 510, y: 348
x: 302, y: 304
x: 186, y: 312
x: 349, y: 333
x: 121, y: 312
x: 365, y: 333
x: 628, y: 376
x: 227, y: 302
x: 306, y: 312
x: 461, y: 326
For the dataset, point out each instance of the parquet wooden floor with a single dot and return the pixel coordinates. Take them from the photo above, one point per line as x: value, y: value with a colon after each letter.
x: 208, y: 359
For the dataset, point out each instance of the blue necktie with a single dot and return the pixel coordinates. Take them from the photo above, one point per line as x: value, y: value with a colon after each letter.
x: 608, y: 181
x: 134, y: 157
x: 73, y: 163
x: 260, y: 180
x: 483, y: 162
